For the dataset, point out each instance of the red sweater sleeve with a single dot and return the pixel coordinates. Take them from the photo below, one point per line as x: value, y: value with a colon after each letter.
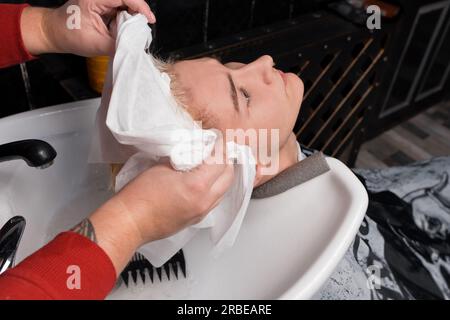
x: 12, y: 49
x: 69, y: 267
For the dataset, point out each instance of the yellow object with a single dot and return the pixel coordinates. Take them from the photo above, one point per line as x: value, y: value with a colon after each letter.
x: 97, y: 67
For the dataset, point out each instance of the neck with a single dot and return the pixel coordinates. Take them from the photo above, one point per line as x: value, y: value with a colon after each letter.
x: 288, y: 157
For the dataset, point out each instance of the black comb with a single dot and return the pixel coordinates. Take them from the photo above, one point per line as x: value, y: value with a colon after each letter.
x: 139, y: 266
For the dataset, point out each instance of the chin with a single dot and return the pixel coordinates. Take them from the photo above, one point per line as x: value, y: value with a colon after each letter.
x: 298, y: 83
x: 298, y: 88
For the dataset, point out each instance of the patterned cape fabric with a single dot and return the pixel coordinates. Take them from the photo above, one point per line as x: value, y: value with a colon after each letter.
x: 402, y: 249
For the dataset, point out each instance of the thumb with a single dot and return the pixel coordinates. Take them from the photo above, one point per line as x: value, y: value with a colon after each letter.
x: 142, y: 7
x: 105, y: 46
x: 104, y: 42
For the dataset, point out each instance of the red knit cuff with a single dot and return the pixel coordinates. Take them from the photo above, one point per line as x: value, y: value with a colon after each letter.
x: 69, y: 267
x: 12, y: 48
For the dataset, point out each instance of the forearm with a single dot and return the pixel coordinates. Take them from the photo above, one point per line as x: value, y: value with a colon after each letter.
x: 34, y: 28
x: 33, y: 31
x: 68, y: 267
x: 112, y: 228
x: 81, y: 264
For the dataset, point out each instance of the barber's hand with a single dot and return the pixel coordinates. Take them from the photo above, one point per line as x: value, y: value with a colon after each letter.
x: 57, y: 30
x: 157, y: 204
x: 163, y: 201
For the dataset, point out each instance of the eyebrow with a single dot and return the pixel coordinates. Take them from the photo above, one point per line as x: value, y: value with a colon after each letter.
x: 233, y: 92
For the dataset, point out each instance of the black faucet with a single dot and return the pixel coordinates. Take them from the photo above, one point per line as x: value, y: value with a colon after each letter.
x: 36, y: 153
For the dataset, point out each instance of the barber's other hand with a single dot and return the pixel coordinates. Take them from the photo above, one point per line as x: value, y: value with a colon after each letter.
x: 56, y: 30
x: 157, y: 204
x: 162, y: 201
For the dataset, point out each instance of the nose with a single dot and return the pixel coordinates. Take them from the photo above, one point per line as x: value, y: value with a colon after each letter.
x: 262, y: 66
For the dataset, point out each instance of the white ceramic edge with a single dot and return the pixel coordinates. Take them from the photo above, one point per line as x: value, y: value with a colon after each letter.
x: 309, y: 284
x: 42, y: 112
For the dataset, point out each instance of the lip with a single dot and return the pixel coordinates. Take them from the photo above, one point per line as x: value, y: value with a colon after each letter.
x: 283, y: 76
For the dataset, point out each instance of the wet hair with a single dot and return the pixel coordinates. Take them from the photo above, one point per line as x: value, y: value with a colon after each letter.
x: 183, y: 95
x: 184, y: 99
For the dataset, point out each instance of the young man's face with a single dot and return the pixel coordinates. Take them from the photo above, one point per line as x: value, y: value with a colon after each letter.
x: 242, y: 96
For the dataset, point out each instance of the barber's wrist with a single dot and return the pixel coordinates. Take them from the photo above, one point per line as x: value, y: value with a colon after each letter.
x: 35, y: 28
x: 116, y: 233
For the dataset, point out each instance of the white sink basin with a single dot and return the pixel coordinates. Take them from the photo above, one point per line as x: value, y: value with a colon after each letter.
x: 288, y: 245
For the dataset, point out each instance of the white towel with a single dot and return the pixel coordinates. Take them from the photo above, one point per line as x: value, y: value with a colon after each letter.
x: 139, y: 122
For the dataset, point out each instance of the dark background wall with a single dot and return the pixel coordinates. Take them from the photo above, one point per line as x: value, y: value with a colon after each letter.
x: 358, y: 83
x: 61, y: 78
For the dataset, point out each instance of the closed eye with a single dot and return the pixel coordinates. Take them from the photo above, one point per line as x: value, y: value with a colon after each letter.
x: 246, y: 96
